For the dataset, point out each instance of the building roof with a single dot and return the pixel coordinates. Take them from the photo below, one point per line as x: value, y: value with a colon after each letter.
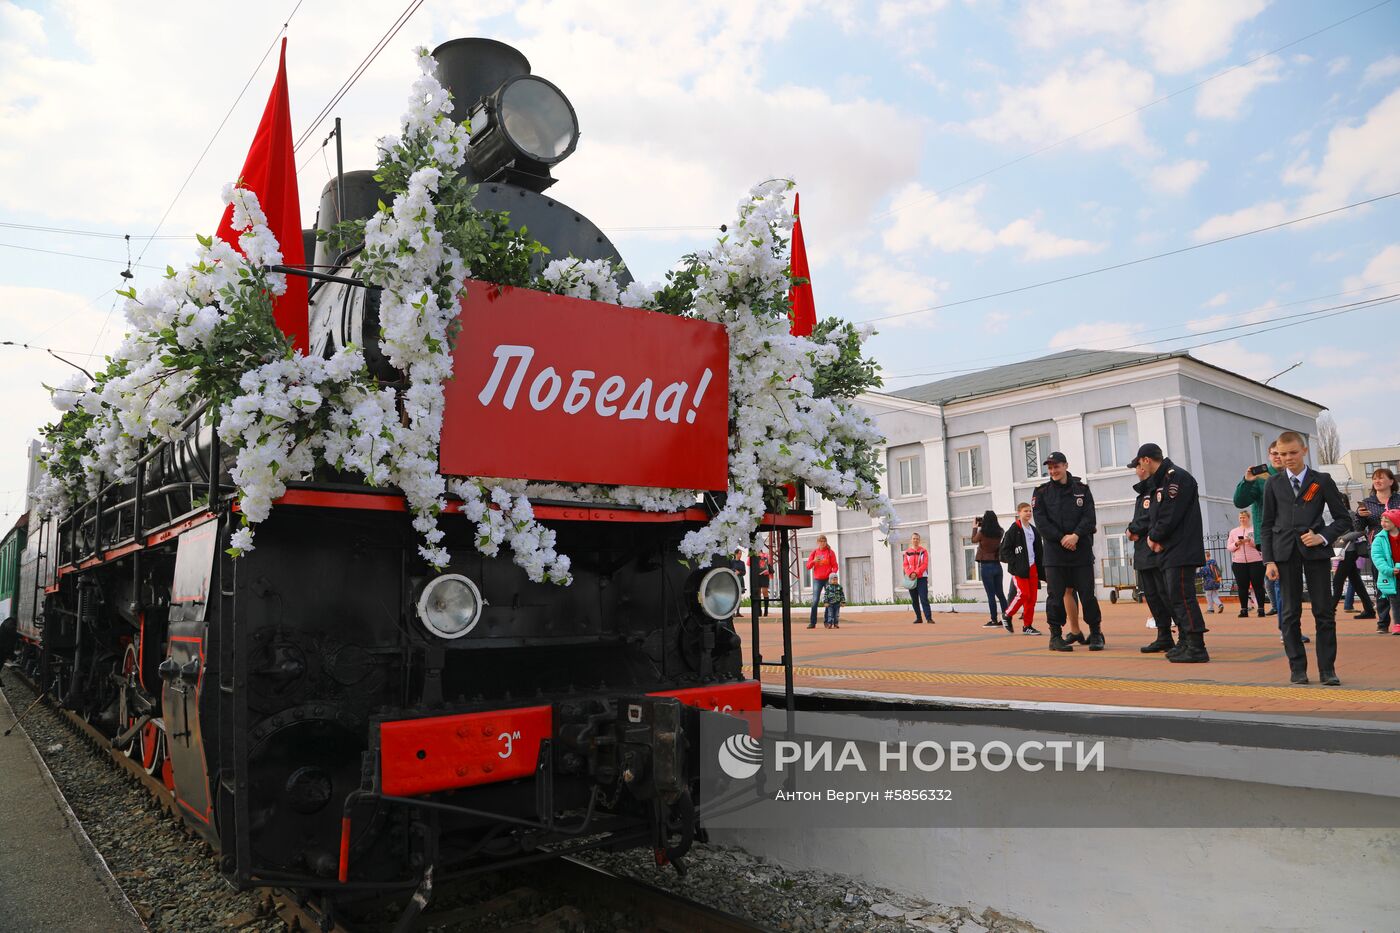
x: 1057, y: 367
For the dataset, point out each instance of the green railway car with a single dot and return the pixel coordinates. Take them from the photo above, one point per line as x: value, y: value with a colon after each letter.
x: 11, y: 549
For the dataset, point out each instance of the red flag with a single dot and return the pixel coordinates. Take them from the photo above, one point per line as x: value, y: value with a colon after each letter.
x: 804, y: 309
x: 270, y: 172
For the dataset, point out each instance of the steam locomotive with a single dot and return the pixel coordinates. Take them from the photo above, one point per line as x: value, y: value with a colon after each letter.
x: 330, y: 712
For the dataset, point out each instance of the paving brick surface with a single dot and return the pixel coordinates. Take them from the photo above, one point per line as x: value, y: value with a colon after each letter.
x: 956, y: 657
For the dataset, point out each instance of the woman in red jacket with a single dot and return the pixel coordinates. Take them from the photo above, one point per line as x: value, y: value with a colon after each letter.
x: 822, y: 563
x: 916, y: 578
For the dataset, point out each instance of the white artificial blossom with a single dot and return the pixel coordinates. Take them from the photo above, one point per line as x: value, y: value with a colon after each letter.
x: 293, y: 413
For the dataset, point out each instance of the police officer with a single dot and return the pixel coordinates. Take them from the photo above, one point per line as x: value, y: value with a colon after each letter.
x: 1151, y: 583
x: 1064, y: 516
x: 1174, y: 534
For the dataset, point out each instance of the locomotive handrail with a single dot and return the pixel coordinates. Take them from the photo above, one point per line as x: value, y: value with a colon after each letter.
x: 79, y: 520
x: 319, y: 276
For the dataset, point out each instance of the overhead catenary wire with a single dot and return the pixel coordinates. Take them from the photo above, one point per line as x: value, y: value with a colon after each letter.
x: 218, y: 129
x: 55, y: 252
x: 1125, y: 115
x: 34, y: 228
x: 1157, y: 330
x: 1129, y: 262
x: 390, y: 33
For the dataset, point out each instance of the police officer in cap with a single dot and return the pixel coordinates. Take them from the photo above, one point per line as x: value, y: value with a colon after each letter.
x: 1150, y: 581
x: 1174, y: 534
x: 1064, y: 516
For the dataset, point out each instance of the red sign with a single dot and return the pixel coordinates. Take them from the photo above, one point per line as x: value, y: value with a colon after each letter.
x: 561, y: 389
x: 420, y: 756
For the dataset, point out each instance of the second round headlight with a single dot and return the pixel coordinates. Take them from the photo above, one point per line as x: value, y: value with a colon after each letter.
x: 450, y: 605
x: 719, y: 593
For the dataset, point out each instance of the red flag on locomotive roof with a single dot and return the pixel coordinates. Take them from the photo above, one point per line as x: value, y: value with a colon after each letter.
x: 804, y: 309
x: 270, y: 172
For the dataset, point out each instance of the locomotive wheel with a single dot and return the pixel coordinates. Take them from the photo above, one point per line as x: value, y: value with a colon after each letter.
x: 302, y: 763
x: 124, y: 713
x: 149, y: 748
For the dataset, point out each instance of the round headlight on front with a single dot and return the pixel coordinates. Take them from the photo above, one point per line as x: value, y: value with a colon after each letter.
x: 538, y: 118
x: 450, y: 606
x: 719, y: 593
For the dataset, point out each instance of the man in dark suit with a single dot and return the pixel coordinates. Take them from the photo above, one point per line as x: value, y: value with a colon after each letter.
x: 1297, y: 543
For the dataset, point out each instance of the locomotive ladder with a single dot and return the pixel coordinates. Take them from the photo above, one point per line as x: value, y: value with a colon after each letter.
x: 232, y: 707
x: 785, y: 598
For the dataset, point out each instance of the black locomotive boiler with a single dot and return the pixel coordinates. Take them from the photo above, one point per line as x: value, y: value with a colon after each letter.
x: 331, y: 712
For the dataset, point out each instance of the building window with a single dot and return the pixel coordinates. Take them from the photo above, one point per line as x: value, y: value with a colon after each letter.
x: 1259, y: 448
x: 1113, y: 445
x: 971, y: 572
x: 969, y: 467
x: 1390, y: 465
x: 1036, y: 449
x: 911, y: 480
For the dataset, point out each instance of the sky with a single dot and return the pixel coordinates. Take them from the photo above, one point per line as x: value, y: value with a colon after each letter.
x: 945, y: 151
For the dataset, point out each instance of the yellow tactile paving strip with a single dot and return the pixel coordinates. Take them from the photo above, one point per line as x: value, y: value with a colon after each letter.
x: 1307, y: 695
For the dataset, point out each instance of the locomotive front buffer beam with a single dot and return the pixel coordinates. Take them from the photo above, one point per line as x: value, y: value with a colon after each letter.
x: 631, y: 758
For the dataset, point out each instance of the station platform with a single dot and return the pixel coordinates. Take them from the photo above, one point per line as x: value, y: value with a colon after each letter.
x: 879, y: 650
x: 51, y: 877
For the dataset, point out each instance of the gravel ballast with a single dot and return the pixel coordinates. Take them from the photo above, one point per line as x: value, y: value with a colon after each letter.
x: 171, y: 879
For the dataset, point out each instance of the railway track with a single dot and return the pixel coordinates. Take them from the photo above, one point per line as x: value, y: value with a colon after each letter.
x: 562, y: 895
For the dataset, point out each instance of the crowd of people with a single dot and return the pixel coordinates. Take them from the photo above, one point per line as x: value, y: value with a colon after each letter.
x: 1291, y: 518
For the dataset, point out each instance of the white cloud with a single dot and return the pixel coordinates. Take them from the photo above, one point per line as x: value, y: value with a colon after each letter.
x: 1359, y: 163
x: 1337, y: 357
x: 1179, y: 35
x: 888, y: 288
x: 1072, y: 99
x: 1097, y: 335
x: 1217, y: 300
x: 994, y: 322
x: 1193, y: 137
x: 1338, y: 65
x: 1381, y: 69
x: 1248, y: 218
x: 1217, y: 321
x: 1183, y: 35
x: 1239, y: 358
x: 952, y: 224
x: 899, y: 14
x: 1177, y: 177
x: 1224, y: 98
x: 1383, y: 269
x: 1332, y: 256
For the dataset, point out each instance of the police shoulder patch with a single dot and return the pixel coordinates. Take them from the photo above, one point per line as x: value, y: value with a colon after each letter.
x: 1173, y: 489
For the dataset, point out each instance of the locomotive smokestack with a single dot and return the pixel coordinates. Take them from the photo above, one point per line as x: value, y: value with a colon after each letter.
x: 473, y: 68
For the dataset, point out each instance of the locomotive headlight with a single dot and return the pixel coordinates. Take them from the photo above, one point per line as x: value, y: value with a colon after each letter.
x: 719, y: 593
x: 520, y: 129
x: 450, y: 606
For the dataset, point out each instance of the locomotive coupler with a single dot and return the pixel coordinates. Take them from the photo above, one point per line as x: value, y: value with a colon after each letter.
x: 634, y: 744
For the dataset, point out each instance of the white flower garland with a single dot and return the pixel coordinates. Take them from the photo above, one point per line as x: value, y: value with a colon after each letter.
x: 294, y: 411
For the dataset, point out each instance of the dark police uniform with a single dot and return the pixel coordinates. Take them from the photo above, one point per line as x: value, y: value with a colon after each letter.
x: 1062, y: 509
x: 1148, y: 567
x: 1175, y: 523
x: 1288, y: 513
